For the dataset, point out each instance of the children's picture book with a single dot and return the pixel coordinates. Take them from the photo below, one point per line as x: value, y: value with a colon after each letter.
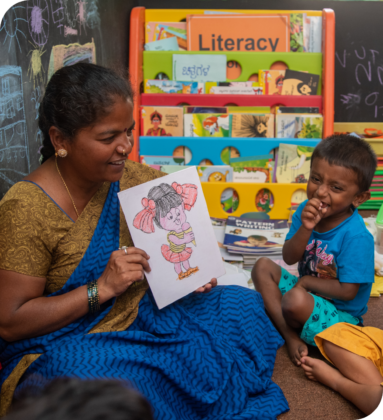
x: 305, y: 126
x: 312, y: 33
x: 168, y: 44
x: 250, y: 32
x: 170, y: 86
x: 271, y: 81
x: 207, y: 125
x: 253, y: 125
x: 168, y: 169
x: 216, y: 173
x: 162, y: 121
x: 156, y: 31
x: 233, y: 88
x: 159, y: 161
x: 199, y: 67
x: 169, y: 220
x: 205, y: 110
x: 252, y: 168
x: 293, y: 163
x: 249, y: 236
x: 300, y: 83
x: 297, y: 110
x: 296, y: 32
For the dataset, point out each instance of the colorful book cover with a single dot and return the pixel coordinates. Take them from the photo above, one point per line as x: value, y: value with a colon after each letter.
x: 233, y: 88
x: 171, y: 86
x: 252, y: 32
x: 297, y: 110
x: 261, y: 161
x: 156, y: 31
x: 300, y: 83
x: 216, y: 173
x: 253, y: 125
x: 293, y: 163
x: 229, y: 200
x: 248, y: 109
x: 255, y: 236
x: 251, y: 174
x: 271, y: 81
x: 168, y: 44
x: 162, y: 160
x: 289, y: 126
x: 296, y: 32
x: 229, y: 153
x: 312, y: 33
x: 162, y: 121
x: 205, y: 110
x: 207, y: 125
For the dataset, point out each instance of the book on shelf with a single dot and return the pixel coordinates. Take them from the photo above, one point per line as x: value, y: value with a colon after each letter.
x: 233, y: 88
x: 293, y: 163
x: 156, y: 31
x: 300, y: 83
x: 302, y: 126
x: 297, y: 110
x: 159, y: 161
x: 207, y: 125
x: 271, y: 81
x: 255, y: 169
x: 172, y: 86
x: 162, y: 121
x: 256, y: 237
x: 216, y: 173
x: 205, y: 110
x: 252, y: 125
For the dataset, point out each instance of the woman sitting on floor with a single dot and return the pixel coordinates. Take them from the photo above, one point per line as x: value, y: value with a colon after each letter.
x: 73, y: 304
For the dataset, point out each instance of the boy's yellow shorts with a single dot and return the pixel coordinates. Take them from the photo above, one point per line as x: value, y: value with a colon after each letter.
x: 363, y: 341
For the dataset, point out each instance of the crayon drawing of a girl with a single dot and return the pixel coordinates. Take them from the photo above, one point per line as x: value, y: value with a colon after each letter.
x: 166, y: 205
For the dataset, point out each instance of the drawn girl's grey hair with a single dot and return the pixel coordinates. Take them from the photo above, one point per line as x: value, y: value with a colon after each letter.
x: 166, y: 199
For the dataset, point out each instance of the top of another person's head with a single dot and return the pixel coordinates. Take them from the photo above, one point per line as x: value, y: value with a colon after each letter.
x: 74, y: 399
x: 350, y: 152
x: 77, y: 97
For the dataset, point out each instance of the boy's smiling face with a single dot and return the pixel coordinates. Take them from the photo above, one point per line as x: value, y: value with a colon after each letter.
x: 336, y: 187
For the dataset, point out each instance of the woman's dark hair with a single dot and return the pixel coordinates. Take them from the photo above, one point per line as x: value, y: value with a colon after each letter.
x: 165, y: 198
x: 351, y: 152
x: 75, y: 399
x: 76, y: 97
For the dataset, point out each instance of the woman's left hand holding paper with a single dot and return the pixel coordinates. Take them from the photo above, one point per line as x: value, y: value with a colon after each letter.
x: 208, y: 287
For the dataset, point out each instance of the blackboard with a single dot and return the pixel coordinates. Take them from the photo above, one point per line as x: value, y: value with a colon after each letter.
x: 31, y: 34
x: 359, y: 48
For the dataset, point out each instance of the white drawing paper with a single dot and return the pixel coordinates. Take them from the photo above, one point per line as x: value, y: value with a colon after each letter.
x: 169, y: 220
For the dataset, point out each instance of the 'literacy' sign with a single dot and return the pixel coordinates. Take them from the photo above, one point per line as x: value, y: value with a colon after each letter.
x: 199, y: 67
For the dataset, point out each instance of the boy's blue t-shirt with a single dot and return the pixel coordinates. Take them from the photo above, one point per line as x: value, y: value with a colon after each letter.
x: 345, y: 253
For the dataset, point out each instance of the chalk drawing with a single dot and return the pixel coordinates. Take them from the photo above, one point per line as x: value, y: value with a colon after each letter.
x: 38, y: 21
x: 14, y: 157
x: 67, y: 55
x: 71, y: 12
x: 70, y: 31
x: 81, y: 15
x: 36, y: 98
x: 93, y: 17
x: 57, y: 9
x: 10, y: 26
x: 35, y: 69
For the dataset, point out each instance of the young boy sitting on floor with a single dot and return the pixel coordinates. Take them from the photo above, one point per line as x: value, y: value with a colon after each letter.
x: 357, y: 352
x: 332, y: 244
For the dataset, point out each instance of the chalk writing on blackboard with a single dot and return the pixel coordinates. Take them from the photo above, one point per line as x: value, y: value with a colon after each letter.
x: 13, y: 136
x: 57, y: 9
x: 367, y: 73
x: 11, y: 27
x: 38, y: 21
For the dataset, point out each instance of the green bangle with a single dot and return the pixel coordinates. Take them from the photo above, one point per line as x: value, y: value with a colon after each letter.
x: 93, y: 297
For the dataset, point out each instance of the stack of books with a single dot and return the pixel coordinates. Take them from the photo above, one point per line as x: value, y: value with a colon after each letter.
x: 255, y: 238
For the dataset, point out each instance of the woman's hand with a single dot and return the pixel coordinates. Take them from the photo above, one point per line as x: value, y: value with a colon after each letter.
x: 207, y: 288
x: 122, y: 270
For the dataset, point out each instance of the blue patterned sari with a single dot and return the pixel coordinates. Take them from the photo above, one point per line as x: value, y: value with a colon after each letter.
x: 208, y: 356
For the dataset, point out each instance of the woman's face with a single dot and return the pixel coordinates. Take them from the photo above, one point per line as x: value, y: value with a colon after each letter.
x: 96, y: 152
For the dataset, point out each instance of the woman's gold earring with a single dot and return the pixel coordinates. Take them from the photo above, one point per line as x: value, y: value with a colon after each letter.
x: 62, y: 153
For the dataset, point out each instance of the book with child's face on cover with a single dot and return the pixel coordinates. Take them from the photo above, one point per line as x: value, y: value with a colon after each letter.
x: 168, y: 218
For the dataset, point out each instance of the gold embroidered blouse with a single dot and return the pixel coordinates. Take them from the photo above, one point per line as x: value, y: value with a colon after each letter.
x: 38, y: 239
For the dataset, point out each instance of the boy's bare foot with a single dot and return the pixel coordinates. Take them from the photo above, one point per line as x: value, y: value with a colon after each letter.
x: 317, y: 370
x: 297, y: 349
